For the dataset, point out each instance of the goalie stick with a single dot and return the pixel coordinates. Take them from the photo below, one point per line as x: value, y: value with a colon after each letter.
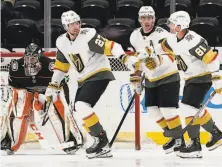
x: 179, y: 133
x: 79, y: 135
x: 44, y: 143
x: 46, y: 118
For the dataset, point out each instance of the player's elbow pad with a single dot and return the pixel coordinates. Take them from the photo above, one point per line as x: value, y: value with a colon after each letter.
x: 117, y: 50
x: 58, y: 76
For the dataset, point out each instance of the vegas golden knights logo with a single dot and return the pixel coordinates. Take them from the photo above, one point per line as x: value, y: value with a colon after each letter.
x: 77, y: 61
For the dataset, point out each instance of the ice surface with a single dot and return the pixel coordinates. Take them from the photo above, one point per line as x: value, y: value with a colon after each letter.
x: 154, y: 157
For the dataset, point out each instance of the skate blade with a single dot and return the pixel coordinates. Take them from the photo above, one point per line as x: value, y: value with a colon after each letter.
x: 168, y: 151
x: 6, y: 152
x: 215, y: 146
x: 196, y: 154
x: 105, y: 153
x: 72, y: 152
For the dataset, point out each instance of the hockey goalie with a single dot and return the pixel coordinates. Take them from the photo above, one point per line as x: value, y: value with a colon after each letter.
x: 53, y: 124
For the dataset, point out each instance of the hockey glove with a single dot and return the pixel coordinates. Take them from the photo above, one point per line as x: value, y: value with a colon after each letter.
x: 217, y: 82
x: 52, y: 91
x: 135, y: 80
x: 145, y: 53
x: 129, y: 61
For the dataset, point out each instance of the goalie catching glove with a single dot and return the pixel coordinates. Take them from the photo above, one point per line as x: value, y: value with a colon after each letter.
x: 136, y: 81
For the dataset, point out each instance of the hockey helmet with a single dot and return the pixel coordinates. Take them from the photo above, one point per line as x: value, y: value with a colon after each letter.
x: 147, y: 11
x: 68, y: 18
x: 31, y: 59
x: 179, y: 18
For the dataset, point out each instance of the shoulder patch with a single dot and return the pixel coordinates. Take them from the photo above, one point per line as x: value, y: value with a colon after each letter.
x: 51, y: 66
x: 14, y: 65
x: 83, y: 32
x: 189, y: 37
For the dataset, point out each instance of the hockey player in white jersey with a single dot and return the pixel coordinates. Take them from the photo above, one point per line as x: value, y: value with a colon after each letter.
x: 84, y: 51
x: 162, y: 83
x: 193, y: 57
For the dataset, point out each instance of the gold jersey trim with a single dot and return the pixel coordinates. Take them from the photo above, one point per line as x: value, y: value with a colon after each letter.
x: 108, y: 47
x: 209, y: 56
x: 162, y: 76
x: 64, y: 67
x: 199, y: 75
x: 93, y: 73
x: 168, y: 50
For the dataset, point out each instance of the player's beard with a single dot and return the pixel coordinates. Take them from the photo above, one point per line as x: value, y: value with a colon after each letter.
x: 75, y: 33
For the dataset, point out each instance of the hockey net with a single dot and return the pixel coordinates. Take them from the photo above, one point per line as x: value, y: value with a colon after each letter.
x: 126, y: 136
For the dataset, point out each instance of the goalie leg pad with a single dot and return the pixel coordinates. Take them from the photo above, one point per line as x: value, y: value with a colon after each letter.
x: 71, y: 123
x: 3, y: 126
x: 56, y: 130
x: 19, y: 118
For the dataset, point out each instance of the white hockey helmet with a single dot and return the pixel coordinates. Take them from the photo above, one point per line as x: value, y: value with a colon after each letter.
x: 180, y: 18
x: 147, y: 11
x: 68, y: 18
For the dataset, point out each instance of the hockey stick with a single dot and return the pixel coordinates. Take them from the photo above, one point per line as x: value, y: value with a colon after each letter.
x: 179, y: 133
x: 125, y: 114
x: 46, y: 108
x: 76, y: 128
x: 44, y: 143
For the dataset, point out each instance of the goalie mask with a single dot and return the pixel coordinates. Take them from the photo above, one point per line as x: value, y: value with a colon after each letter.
x: 31, y: 59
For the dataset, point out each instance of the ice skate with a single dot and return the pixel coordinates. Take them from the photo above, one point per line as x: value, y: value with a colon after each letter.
x: 178, y: 144
x: 216, y: 135
x: 193, y: 150
x: 6, y: 146
x: 169, y: 146
x: 100, y: 147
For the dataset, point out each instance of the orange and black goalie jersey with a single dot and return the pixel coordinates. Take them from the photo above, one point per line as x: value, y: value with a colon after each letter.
x: 39, y: 82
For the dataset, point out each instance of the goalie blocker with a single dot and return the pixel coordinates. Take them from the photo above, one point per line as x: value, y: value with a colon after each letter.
x: 28, y: 79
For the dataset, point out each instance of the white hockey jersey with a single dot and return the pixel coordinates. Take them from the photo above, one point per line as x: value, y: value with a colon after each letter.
x: 167, y: 71
x: 193, y: 56
x: 85, y: 55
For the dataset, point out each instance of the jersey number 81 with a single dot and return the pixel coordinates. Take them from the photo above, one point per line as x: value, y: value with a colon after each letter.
x: 200, y: 51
